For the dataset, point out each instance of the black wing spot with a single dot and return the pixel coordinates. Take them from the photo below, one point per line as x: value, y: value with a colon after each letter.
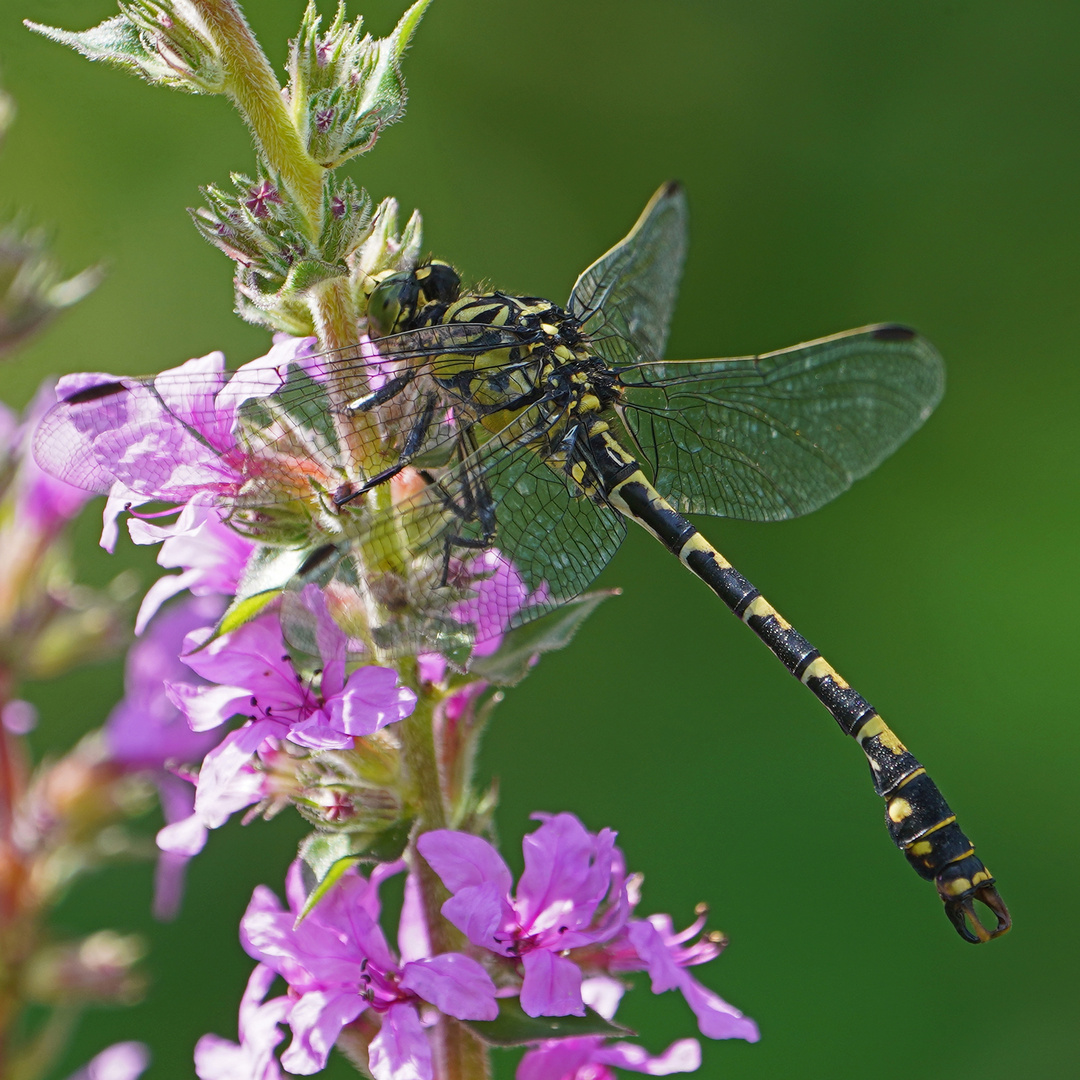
x: 894, y: 332
x: 95, y: 393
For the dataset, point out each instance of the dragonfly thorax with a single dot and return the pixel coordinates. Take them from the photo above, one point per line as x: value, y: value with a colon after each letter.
x: 554, y: 363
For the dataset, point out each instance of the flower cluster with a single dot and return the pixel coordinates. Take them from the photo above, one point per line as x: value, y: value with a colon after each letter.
x: 555, y: 947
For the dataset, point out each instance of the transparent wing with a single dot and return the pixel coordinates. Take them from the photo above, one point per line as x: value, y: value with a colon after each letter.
x: 625, y: 299
x: 261, y: 432
x: 493, y: 542
x: 770, y: 437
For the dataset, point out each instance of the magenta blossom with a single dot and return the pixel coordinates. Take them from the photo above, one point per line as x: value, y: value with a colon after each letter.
x: 570, y: 918
x: 253, y: 1057
x: 251, y: 674
x: 572, y: 894
x: 172, y: 438
x: 147, y: 732
x: 591, y: 1057
x: 257, y: 678
x: 338, y: 965
x: 121, y: 1061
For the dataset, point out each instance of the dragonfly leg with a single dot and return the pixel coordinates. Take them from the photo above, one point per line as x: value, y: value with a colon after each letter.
x: 413, y: 441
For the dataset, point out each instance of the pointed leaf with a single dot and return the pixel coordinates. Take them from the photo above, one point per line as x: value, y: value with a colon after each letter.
x: 514, y: 1027
x: 326, y: 856
x: 511, y: 662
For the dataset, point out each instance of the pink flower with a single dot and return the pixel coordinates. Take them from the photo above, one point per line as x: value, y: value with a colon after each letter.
x: 256, y: 678
x: 147, y: 732
x: 569, y: 918
x: 121, y: 1061
x: 249, y: 673
x: 253, y: 1057
x: 591, y: 1058
x: 172, y: 438
x: 559, y: 903
x: 337, y: 964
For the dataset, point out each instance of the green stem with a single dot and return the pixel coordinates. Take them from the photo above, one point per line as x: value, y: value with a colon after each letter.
x: 254, y: 88
x: 49, y: 1043
x: 464, y: 1056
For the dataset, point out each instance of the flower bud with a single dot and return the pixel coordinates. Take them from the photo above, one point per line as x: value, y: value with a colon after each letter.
x: 344, y: 88
x: 277, y: 264
x: 165, y: 43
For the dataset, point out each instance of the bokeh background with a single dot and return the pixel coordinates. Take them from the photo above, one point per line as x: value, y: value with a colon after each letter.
x: 846, y: 163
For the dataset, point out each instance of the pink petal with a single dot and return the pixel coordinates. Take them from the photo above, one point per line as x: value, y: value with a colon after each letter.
x: 479, y: 912
x: 655, y: 956
x: 552, y: 985
x: 316, y: 1021
x: 560, y: 1059
x: 454, y: 984
x: 370, y: 700
x: 401, y: 1050
x: 681, y: 1056
x: 462, y: 860
x: 208, y: 707
x: 716, y: 1018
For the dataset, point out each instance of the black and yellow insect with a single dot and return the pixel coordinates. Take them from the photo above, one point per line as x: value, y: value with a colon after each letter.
x: 477, y: 423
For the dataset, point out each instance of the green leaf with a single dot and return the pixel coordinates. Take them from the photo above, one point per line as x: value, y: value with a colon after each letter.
x: 514, y: 1027
x: 511, y: 662
x: 242, y: 611
x: 324, y: 857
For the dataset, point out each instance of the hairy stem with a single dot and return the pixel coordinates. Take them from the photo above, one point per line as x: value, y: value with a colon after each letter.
x: 254, y: 88
x: 464, y: 1056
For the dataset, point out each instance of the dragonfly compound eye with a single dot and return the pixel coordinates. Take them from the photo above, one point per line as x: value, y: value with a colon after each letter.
x: 392, y: 303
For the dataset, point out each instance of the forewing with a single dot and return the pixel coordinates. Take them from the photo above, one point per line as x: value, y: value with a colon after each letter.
x: 770, y: 437
x: 254, y: 435
x: 625, y: 299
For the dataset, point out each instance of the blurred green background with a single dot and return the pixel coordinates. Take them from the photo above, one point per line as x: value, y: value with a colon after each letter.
x: 846, y: 163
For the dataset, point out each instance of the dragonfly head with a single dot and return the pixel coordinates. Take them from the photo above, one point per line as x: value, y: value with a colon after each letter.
x: 395, y: 298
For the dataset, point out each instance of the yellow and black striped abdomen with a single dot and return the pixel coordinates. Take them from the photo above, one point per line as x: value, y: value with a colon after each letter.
x: 919, y: 820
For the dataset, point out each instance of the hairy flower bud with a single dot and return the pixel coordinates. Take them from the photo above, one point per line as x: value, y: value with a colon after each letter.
x: 166, y: 43
x: 345, y: 88
x: 277, y: 264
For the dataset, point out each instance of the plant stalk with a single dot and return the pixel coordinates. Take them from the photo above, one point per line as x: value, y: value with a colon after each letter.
x: 254, y: 88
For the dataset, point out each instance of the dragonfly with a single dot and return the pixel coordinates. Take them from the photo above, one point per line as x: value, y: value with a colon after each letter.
x: 474, y: 462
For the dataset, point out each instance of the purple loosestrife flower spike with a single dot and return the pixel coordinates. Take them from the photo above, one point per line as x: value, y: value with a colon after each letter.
x: 338, y: 964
